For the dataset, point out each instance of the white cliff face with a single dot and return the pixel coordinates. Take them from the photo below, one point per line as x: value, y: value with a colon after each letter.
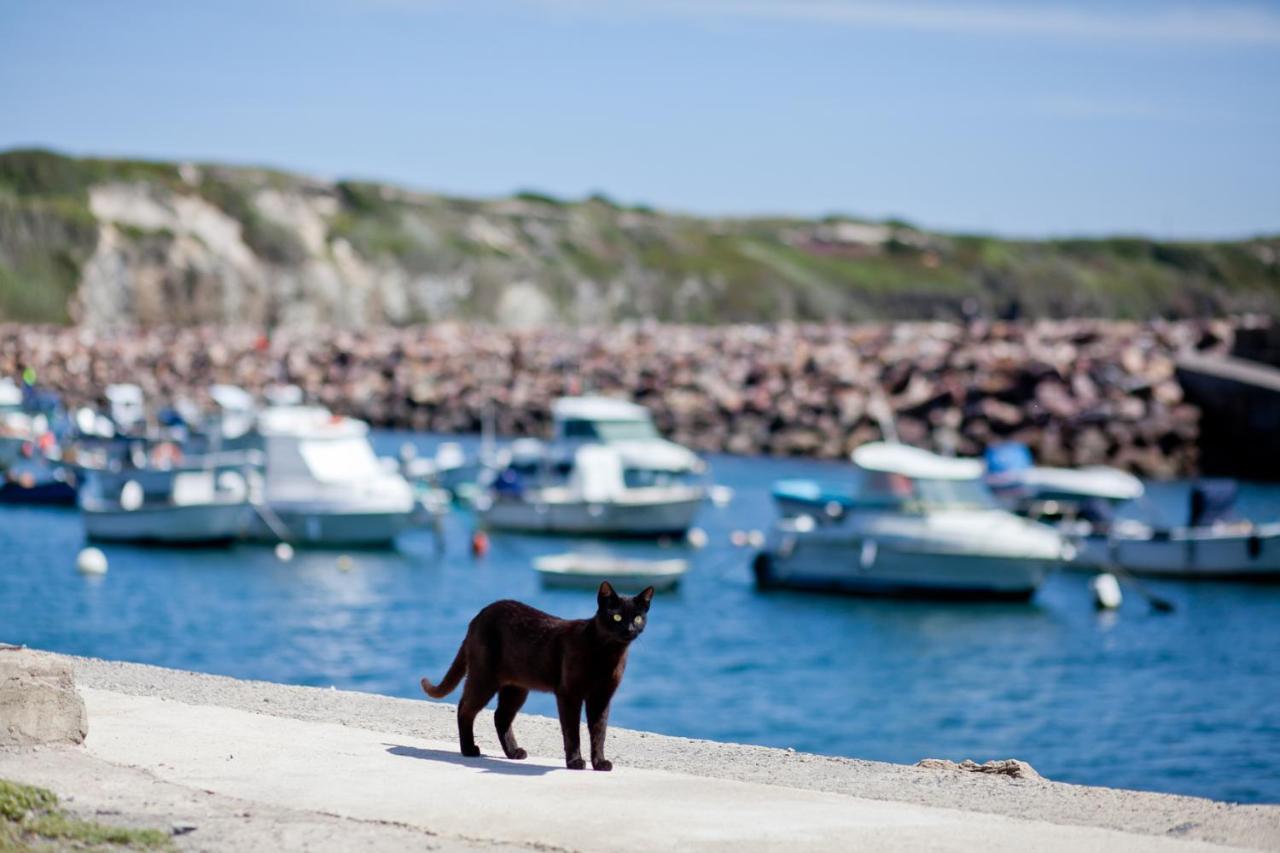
x: 166, y: 255
x: 305, y: 213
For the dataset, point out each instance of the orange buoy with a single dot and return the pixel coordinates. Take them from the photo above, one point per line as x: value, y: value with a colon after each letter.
x: 479, y: 543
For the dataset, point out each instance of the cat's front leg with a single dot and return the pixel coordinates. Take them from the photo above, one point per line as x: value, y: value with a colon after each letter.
x: 597, y: 727
x: 570, y: 708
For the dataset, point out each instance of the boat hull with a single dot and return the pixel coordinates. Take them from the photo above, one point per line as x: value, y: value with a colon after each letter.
x: 627, y: 576
x: 171, y: 525
x: 1226, y: 557
x: 900, y: 573
x: 331, y: 528
x: 622, y: 582
x: 48, y: 493
x: 643, y: 520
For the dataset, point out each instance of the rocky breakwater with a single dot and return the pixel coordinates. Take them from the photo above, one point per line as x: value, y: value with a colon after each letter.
x: 1077, y: 392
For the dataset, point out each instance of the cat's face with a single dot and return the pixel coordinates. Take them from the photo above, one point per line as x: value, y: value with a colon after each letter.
x: 620, y: 617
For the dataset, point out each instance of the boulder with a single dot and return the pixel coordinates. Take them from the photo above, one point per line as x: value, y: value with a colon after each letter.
x: 1010, y: 767
x: 38, y: 700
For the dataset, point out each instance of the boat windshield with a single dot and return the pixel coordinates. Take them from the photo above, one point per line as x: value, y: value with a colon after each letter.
x: 972, y: 494
x: 918, y: 493
x: 340, y: 460
x: 607, y: 431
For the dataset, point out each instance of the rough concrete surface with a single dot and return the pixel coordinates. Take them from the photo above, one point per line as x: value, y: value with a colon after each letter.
x: 329, y: 769
x: 38, y: 700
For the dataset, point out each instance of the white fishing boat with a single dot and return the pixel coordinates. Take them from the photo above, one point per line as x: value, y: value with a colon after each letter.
x: 908, y: 523
x: 586, y: 494
x: 324, y: 485
x: 586, y: 571
x: 181, y: 506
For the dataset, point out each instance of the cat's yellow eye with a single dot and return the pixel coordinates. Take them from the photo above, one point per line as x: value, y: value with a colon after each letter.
x: 639, y: 620
x: 617, y: 617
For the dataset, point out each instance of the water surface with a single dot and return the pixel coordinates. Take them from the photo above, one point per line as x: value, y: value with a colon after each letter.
x: 1187, y: 702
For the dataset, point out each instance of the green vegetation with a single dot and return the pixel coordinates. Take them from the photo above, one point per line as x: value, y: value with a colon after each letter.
x: 33, y: 172
x: 540, y: 198
x: 43, y: 245
x: 599, y: 255
x: 30, y: 819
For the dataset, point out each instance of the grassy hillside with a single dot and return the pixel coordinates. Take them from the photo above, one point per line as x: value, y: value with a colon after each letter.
x: 116, y: 241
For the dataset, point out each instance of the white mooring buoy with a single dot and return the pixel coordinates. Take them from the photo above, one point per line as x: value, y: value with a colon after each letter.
x: 91, y: 561
x: 284, y: 552
x: 1106, y: 592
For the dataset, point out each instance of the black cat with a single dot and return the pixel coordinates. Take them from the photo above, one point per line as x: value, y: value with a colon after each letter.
x: 511, y: 648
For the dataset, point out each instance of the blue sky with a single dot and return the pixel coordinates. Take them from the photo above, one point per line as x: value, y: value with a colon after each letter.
x: 1033, y: 118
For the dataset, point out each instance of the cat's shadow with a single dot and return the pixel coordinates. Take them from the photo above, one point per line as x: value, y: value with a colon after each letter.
x: 484, y: 763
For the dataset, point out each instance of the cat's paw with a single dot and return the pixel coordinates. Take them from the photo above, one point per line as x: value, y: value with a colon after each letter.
x: 518, y: 754
x: 576, y: 764
x: 471, y: 751
x: 602, y: 764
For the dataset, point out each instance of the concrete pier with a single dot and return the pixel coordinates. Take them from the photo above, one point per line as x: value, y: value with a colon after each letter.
x: 235, y: 765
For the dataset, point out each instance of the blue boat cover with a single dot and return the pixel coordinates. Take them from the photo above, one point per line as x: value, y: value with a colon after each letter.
x: 813, y: 492
x: 1011, y: 456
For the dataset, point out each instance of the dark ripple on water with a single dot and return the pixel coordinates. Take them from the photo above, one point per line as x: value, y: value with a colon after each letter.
x: 1186, y: 703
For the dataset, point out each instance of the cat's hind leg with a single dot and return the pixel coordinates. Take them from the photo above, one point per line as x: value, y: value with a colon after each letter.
x: 475, y: 696
x: 510, y: 699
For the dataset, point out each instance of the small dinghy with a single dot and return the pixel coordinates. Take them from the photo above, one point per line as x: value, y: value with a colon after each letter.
x: 586, y: 571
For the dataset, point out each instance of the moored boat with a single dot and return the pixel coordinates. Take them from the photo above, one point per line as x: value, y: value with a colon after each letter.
x: 324, y: 485
x: 586, y: 495
x: 586, y: 571
x: 908, y: 523
x: 1087, y: 504
x: 205, y: 505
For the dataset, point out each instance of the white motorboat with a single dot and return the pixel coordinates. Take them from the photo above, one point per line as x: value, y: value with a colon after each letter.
x: 586, y: 571
x: 587, y: 495
x: 648, y: 459
x: 1086, y: 504
x: 181, y: 506
x: 324, y: 485
x: 1225, y: 551
x: 1211, y: 545
x: 910, y: 523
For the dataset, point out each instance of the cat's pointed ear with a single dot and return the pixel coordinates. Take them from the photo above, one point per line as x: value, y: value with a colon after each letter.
x: 606, y: 594
x: 645, y: 597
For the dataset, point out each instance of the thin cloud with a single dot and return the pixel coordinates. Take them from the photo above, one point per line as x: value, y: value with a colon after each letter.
x: 1207, y: 23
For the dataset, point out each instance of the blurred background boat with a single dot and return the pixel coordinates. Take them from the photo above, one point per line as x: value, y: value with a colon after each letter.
x: 605, y: 472
x: 1102, y: 510
x: 909, y: 523
x: 324, y: 485
x: 587, y: 570
x: 198, y: 501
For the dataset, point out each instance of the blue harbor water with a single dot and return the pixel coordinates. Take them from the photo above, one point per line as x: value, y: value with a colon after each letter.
x: 1187, y: 702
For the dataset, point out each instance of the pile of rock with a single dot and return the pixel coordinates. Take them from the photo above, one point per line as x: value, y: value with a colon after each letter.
x: 1077, y: 392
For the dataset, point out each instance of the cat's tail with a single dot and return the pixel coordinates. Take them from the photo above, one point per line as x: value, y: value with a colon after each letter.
x: 451, y: 678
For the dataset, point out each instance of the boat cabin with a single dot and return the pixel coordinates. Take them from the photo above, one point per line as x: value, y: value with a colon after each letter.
x: 893, y: 477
